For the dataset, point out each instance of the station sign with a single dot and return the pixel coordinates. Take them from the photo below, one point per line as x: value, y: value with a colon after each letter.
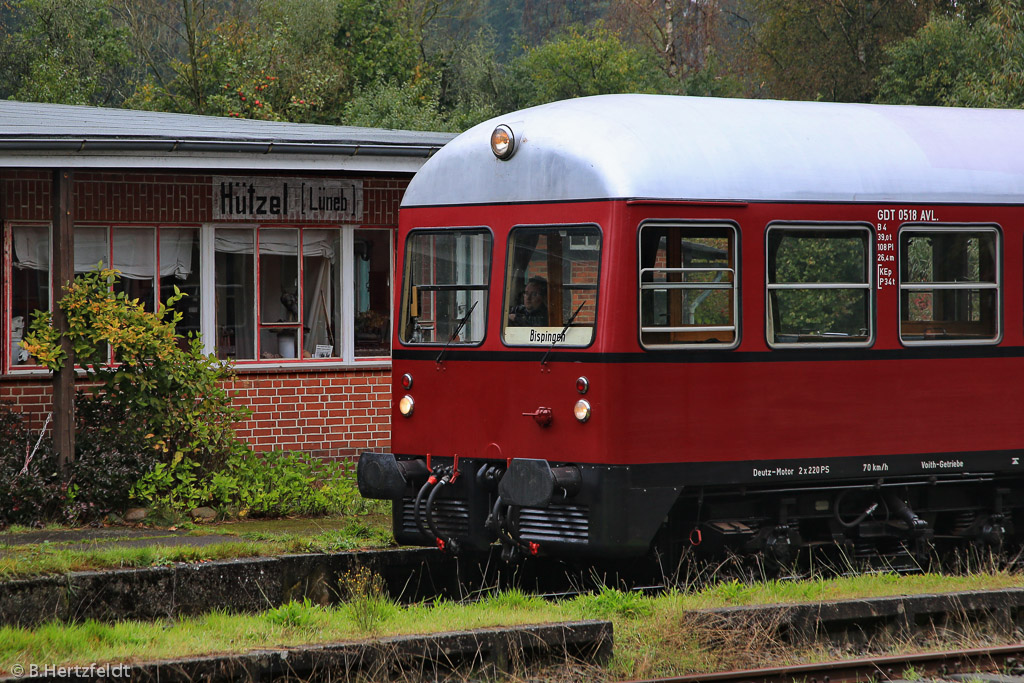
x: 255, y: 198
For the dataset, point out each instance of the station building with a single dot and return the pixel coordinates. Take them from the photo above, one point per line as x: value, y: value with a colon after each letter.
x: 281, y: 235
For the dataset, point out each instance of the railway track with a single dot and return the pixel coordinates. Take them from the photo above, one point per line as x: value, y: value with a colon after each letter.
x: 1003, y: 664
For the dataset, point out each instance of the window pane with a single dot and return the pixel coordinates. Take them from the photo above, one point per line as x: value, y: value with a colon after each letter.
x: 279, y: 292
x: 30, y: 283
x: 947, y: 256
x: 949, y: 289
x: 821, y: 315
x: 687, y: 291
x: 134, y: 254
x: 372, y: 273
x: 321, y: 290
x: 235, y: 296
x: 817, y: 256
x: 179, y: 267
x: 91, y: 249
x: 819, y: 286
x: 446, y: 275
x: 550, y: 278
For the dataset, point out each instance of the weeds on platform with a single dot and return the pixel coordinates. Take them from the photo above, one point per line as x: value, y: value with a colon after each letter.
x: 654, y: 636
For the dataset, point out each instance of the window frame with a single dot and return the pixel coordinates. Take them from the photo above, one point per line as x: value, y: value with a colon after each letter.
x: 485, y: 287
x: 979, y: 285
x: 869, y: 285
x: 206, y: 231
x: 506, y: 275
x: 737, y: 299
x: 7, y: 365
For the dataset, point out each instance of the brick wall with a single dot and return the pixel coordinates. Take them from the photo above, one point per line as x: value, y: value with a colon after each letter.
x: 328, y: 414
x: 158, y: 198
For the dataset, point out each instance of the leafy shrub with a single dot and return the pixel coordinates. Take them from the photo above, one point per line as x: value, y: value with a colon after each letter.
x: 257, y: 484
x: 109, y: 460
x: 31, y: 485
x: 174, y: 393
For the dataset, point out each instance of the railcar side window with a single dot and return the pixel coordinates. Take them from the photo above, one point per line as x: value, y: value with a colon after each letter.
x: 819, y: 286
x: 444, y: 296
x: 949, y: 285
x: 687, y: 285
x: 551, y: 285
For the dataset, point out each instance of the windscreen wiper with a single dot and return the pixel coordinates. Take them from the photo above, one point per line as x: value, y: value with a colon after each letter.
x: 462, y: 323
x: 562, y: 333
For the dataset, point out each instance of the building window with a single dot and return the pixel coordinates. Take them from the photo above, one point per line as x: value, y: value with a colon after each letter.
x: 949, y: 285
x: 371, y: 273
x: 257, y: 302
x: 266, y: 293
x: 688, y: 285
x: 819, y: 286
x: 30, y: 283
x: 551, y: 285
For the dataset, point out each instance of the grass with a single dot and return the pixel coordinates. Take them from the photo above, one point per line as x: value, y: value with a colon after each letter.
x: 254, y: 538
x: 654, y: 636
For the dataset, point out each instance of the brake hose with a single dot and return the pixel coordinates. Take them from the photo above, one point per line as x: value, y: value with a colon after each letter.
x: 431, y: 480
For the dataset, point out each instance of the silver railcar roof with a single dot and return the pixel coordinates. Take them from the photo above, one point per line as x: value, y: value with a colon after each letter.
x: 663, y: 147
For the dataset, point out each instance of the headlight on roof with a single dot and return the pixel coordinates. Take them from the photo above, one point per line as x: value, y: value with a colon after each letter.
x: 503, y: 142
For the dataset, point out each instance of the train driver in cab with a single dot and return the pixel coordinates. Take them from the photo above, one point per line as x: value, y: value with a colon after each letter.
x: 533, y: 312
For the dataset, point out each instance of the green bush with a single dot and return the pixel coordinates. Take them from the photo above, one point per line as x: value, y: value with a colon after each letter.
x: 31, y: 485
x: 109, y: 460
x: 156, y: 429
x: 269, y: 484
x: 174, y: 393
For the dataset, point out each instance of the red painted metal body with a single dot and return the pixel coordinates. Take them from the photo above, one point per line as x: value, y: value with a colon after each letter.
x: 692, y: 405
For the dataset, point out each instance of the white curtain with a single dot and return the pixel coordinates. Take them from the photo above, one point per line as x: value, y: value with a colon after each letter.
x: 134, y: 250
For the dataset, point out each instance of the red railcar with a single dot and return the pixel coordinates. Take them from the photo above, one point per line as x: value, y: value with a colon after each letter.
x: 767, y: 325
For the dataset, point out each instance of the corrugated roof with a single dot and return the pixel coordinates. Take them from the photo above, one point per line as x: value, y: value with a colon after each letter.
x: 34, y: 134
x: 662, y: 147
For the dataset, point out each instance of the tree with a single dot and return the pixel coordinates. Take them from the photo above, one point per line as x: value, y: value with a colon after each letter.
x: 66, y: 51
x: 173, y: 39
x: 682, y: 32
x: 963, y: 60
x: 395, y: 105
x: 829, y: 49
x: 578, y: 63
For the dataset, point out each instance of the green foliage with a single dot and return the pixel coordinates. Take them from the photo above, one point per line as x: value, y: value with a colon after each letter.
x: 295, y: 615
x: 611, y: 603
x: 583, y: 62
x: 513, y: 599
x: 954, y: 61
x: 829, y: 50
x: 66, y: 51
x: 366, y: 598
x: 176, y: 396
x: 256, y: 484
x: 374, y: 43
x: 395, y: 105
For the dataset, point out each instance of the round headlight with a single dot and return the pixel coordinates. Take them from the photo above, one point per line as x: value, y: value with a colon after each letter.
x: 582, y: 410
x: 503, y: 142
x: 407, y: 381
x: 406, y: 405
